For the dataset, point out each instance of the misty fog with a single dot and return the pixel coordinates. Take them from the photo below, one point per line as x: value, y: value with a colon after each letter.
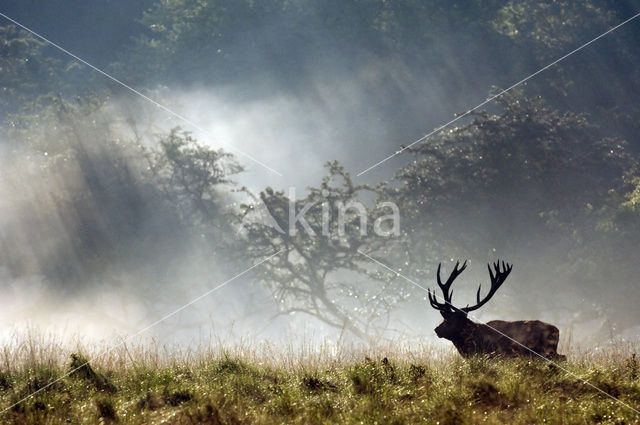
x: 98, y: 239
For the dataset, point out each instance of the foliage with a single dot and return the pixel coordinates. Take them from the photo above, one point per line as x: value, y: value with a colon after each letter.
x: 508, y: 174
x: 633, y: 198
x: 552, y: 27
x: 291, y: 42
x: 550, y: 30
x: 288, y: 40
x: 195, y: 180
x: 32, y: 74
x: 511, y: 183
x: 25, y: 72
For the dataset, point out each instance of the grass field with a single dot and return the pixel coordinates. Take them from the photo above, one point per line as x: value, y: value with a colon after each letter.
x: 266, y: 386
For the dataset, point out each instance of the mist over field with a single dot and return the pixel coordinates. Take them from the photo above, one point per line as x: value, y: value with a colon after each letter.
x: 232, y: 212
x: 111, y: 218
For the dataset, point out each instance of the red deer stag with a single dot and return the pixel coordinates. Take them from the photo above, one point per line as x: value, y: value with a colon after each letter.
x: 496, y: 337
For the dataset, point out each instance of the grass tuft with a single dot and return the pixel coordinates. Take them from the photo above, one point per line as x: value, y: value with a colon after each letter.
x: 106, y: 409
x: 80, y: 368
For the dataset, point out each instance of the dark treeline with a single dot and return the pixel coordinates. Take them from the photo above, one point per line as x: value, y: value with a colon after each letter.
x: 547, y: 175
x: 267, y: 46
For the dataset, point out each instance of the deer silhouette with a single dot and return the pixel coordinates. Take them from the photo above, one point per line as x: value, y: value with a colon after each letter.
x: 497, y: 337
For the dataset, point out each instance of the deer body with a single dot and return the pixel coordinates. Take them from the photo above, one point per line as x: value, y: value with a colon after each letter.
x: 497, y: 337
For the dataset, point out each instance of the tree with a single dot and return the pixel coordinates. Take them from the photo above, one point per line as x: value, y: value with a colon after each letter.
x: 29, y: 72
x: 26, y: 72
x: 196, y: 180
x: 319, y: 270
x: 597, y: 79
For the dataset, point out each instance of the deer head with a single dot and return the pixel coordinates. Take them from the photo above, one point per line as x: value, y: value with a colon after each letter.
x: 455, y: 322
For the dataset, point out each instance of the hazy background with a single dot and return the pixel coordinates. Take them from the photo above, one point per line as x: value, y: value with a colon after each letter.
x: 98, y: 234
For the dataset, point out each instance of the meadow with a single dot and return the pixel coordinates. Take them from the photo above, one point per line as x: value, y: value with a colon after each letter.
x: 396, y: 384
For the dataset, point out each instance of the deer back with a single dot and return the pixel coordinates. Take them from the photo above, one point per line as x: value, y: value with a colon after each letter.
x: 537, y: 336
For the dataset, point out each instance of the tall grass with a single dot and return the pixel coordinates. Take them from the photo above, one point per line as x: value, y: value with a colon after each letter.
x: 316, y: 383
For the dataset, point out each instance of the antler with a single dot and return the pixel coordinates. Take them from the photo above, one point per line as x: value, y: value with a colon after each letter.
x: 497, y: 280
x: 446, y: 306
